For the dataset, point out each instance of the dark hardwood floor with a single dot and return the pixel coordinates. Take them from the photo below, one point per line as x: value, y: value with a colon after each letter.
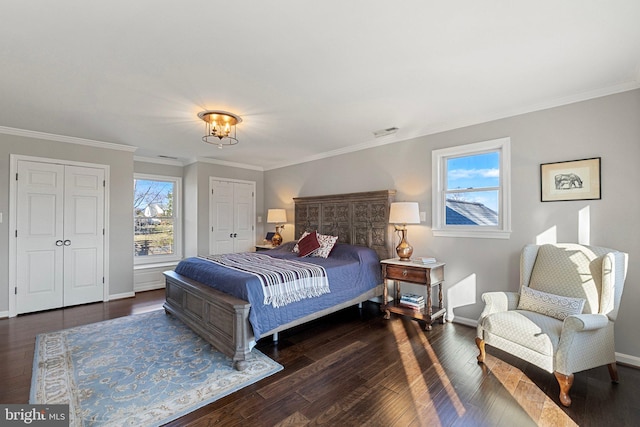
x: 355, y: 368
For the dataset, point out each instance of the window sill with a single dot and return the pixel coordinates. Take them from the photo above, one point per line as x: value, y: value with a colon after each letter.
x: 477, y: 234
x: 155, y: 265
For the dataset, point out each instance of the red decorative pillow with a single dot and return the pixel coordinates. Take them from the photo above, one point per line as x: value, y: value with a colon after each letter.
x: 308, y: 244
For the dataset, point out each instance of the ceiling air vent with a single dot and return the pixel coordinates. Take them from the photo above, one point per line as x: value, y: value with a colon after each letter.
x: 385, y: 132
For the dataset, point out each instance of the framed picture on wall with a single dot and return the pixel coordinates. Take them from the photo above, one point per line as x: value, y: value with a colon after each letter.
x: 570, y: 180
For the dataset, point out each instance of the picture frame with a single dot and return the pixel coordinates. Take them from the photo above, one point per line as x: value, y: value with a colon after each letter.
x: 571, y: 180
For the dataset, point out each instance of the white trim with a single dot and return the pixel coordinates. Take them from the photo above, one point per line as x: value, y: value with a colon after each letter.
x: 13, y: 206
x: 64, y: 138
x: 473, y: 323
x: 123, y: 295
x: 158, y: 160
x: 503, y: 230
x: 225, y: 163
x: 4, y: 314
x: 177, y: 221
x: 155, y: 265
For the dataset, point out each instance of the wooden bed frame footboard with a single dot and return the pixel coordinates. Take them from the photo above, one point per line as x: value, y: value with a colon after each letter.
x: 223, y: 320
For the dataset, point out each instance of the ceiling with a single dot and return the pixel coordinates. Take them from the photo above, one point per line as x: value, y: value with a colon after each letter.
x: 310, y: 79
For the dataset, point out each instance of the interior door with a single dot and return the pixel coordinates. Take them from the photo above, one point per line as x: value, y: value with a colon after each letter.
x: 40, y: 236
x: 244, y: 238
x: 221, y: 217
x: 83, y: 235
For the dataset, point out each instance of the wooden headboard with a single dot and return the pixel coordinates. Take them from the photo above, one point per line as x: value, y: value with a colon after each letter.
x: 356, y: 218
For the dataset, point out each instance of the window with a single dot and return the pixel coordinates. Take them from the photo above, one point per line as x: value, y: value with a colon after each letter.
x: 157, y: 223
x: 471, y: 195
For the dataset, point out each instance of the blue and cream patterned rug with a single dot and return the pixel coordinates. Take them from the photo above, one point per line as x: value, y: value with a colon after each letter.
x: 140, y: 370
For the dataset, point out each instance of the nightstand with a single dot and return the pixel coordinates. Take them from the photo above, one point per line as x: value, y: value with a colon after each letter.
x: 428, y: 275
x: 264, y: 247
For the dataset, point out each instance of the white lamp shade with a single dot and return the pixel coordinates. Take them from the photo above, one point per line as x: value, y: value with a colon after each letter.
x: 404, y: 213
x: 277, y: 216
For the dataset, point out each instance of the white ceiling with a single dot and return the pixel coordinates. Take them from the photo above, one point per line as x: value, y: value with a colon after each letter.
x: 309, y: 78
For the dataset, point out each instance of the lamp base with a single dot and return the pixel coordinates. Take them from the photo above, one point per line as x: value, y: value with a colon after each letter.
x: 404, y: 249
x: 276, y: 240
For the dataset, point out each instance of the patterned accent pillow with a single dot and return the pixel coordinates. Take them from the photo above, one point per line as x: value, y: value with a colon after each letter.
x: 549, y: 304
x: 296, y: 249
x: 308, y: 244
x: 326, y: 245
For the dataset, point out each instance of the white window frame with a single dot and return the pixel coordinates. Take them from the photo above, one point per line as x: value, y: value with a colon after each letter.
x: 177, y: 221
x: 439, y: 179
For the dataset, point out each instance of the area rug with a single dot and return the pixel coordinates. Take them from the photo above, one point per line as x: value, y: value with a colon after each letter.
x: 140, y: 370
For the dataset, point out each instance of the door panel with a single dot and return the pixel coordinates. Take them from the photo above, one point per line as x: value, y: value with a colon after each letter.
x: 83, y: 232
x: 243, y: 204
x: 39, y: 221
x: 221, y: 220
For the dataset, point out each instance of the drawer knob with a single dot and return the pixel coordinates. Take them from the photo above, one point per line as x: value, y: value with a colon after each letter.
x: 404, y: 273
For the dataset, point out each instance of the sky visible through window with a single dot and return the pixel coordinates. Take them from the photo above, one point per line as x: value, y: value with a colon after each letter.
x: 149, y: 193
x: 476, y: 172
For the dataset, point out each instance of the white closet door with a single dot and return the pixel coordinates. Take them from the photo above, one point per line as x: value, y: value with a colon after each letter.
x: 39, y: 220
x: 83, y: 233
x: 232, y: 212
x: 221, y: 217
x: 243, y: 218
x: 60, y: 240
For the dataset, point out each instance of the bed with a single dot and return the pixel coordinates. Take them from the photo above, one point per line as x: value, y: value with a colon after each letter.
x: 232, y: 317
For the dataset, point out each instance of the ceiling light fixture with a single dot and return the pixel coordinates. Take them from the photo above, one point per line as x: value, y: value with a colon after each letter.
x: 220, y: 127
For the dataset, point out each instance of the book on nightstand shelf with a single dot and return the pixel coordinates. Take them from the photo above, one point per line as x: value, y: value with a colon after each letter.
x: 413, y: 301
x: 424, y: 260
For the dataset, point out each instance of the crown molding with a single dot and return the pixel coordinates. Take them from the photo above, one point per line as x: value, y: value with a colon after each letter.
x: 63, y: 138
x: 224, y: 163
x: 158, y: 160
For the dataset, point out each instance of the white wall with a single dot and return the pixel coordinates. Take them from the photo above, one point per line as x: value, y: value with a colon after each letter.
x: 607, y: 127
x: 121, y: 200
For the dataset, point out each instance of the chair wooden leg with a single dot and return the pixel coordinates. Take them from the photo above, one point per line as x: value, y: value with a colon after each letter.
x: 613, y: 372
x: 480, y: 344
x: 565, y: 382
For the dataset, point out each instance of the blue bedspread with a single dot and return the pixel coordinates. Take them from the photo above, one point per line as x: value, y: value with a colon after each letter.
x: 352, y: 270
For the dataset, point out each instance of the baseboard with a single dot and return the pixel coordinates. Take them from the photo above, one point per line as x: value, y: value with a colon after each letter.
x: 622, y: 358
x: 4, y: 314
x: 626, y: 359
x: 122, y: 296
x: 150, y: 287
x: 463, y: 321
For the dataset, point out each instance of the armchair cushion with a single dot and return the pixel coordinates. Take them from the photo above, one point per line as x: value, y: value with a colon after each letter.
x: 528, y: 329
x: 557, y: 306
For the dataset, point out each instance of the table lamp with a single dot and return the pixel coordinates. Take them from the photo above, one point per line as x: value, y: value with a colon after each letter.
x: 278, y: 217
x: 401, y: 214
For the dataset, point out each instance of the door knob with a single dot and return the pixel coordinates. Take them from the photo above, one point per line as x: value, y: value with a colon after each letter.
x: 235, y: 234
x: 58, y: 242
x: 67, y: 242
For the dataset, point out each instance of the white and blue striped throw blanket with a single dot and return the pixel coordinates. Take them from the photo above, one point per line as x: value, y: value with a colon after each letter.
x: 283, y: 281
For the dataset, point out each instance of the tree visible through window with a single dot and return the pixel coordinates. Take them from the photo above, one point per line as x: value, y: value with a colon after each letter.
x: 155, y: 218
x: 471, y: 190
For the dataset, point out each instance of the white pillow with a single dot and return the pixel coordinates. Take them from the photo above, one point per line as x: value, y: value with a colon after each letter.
x: 557, y: 306
x: 326, y: 244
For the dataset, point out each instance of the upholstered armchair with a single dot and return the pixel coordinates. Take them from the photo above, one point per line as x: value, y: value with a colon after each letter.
x: 563, y: 317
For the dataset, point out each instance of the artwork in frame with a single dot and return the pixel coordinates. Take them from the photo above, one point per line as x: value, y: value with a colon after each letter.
x: 570, y: 180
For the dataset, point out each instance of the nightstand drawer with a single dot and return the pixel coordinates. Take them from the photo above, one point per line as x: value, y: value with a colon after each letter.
x: 407, y: 274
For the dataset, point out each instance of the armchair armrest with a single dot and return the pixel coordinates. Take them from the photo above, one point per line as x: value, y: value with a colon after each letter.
x: 499, y: 301
x: 584, y: 322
